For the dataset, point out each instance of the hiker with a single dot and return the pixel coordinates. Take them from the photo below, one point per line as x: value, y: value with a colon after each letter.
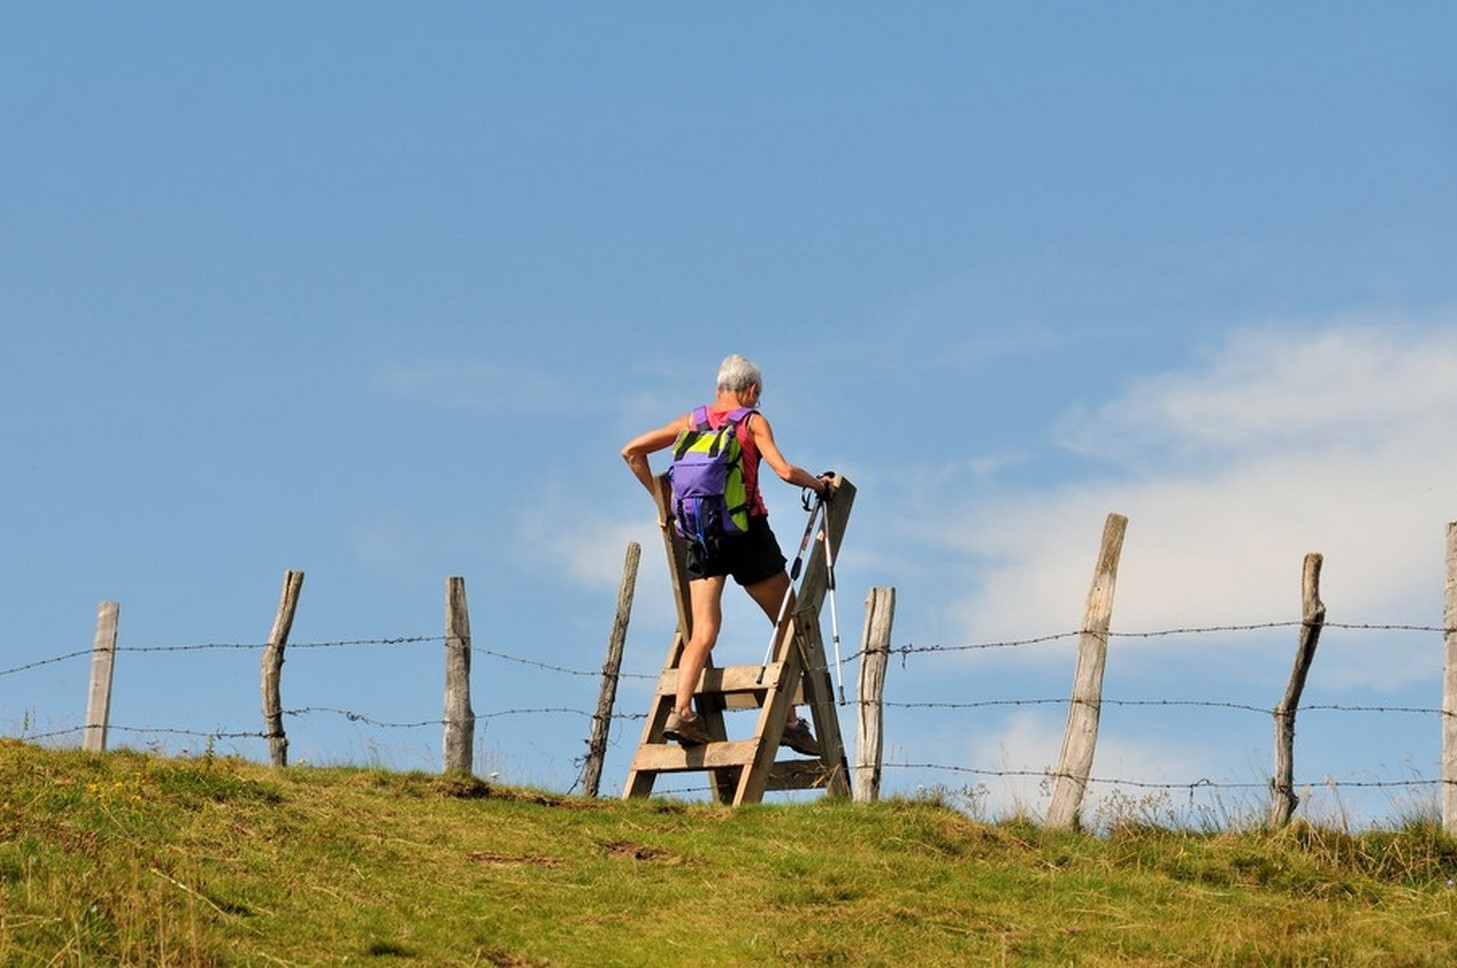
x: 752, y: 558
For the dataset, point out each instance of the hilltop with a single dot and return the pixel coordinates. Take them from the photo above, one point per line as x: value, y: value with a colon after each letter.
x: 128, y: 858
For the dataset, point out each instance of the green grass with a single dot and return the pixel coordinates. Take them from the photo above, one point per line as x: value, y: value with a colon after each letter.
x: 126, y: 858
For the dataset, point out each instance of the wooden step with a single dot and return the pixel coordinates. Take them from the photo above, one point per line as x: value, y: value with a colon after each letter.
x: 742, y: 686
x: 672, y: 758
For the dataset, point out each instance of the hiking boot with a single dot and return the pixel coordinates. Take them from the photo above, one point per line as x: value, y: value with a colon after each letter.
x: 686, y: 730
x: 798, y: 738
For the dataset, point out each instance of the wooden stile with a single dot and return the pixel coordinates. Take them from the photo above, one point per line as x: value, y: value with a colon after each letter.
x: 1081, y: 738
x: 1284, y: 801
x: 103, y: 665
x: 742, y: 771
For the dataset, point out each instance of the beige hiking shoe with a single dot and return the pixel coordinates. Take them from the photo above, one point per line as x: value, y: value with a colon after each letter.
x: 686, y: 730
x: 798, y: 738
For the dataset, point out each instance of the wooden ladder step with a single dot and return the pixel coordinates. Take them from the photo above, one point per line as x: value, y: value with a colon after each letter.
x: 672, y: 758
x: 742, y: 686
x: 791, y: 774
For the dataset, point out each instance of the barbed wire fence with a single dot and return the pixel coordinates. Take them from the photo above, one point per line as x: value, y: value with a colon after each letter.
x: 906, y: 653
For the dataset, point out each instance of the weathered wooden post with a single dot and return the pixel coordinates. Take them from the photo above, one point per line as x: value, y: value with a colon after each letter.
x: 874, y: 656
x: 103, y: 663
x: 602, y: 719
x: 460, y: 721
x: 1282, y: 806
x: 1080, y: 741
x: 272, y: 668
x: 1449, y: 691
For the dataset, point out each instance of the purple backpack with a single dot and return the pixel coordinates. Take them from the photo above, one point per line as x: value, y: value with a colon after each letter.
x: 710, y: 498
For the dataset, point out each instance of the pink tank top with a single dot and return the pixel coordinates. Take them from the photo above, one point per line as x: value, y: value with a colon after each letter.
x: 750, y: 451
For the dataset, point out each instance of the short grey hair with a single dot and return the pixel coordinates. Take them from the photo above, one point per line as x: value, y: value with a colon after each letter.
x: 737, y: 373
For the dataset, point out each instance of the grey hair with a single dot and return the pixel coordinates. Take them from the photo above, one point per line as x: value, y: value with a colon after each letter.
x: 737, y: 373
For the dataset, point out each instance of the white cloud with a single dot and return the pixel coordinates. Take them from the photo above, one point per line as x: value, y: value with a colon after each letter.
x: 1342, y: 442
x: 1270, y: 391
x: 1030, y: 741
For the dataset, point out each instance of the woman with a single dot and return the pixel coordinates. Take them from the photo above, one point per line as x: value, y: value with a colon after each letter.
x: 753, y: 558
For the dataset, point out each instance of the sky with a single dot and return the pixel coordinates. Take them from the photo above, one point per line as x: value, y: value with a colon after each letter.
x: 377, y: 292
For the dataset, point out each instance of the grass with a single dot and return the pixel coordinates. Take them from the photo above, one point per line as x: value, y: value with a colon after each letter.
x: 131, y: 859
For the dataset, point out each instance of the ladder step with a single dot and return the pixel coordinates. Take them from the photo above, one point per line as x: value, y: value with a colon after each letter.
x: 742, y: 687
x: 672, y: 758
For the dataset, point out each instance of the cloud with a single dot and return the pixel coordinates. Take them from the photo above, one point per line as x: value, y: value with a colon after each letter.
x: 1271, y: 391
x: 1030, y: 741
x: 1341, y: 441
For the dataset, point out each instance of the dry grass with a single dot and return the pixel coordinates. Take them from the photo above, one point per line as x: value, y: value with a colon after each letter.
x: 130, y: 859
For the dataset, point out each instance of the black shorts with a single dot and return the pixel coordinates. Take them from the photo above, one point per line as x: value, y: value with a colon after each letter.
x: 750, y: 557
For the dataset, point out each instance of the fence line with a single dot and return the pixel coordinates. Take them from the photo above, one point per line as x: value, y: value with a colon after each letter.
x: 1203, y: 783
x: 906, y: 651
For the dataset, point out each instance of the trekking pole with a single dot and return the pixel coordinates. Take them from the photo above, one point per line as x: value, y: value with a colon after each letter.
x: 809, y: 528
x: 834, y: 615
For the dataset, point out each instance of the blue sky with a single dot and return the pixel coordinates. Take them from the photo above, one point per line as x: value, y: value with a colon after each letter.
x: 377, y: 292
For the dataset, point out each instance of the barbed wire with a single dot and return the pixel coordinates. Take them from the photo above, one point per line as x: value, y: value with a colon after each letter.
x: 1042, y: 775
x: 912, y: 649
x: 1203, y: 782
x: 562, y: 669
x: 903, y: 650
x: 226, y: 646
x: 45, y: 662
x: 370, y: 720
x: 1198, y: 703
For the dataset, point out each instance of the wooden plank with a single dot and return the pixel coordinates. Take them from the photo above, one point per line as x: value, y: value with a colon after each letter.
x: 724, y: 679
x: 816, y: 573
x: 870, y: 707
x: 672, y: 758
x: 103, y: 665
x: 1081, y: 738
x: 677, y: 571
x: 799, y: 649
x: 739, y: 687
x: 1284, y: 801
x: 770, y: 728
x: 820, y: 697
x: 611, y: 668
x: 271, y: 667
x: 460, y: 721
x: 1449, y: 691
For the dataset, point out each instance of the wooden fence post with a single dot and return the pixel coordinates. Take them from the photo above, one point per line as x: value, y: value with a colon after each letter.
x: 602, y: 720
x: 103, y: 662
x: 272, y: 668
x: 460, y: 721
x: 1081, y: 738
x: 1282, y: 806
x: 1449, y: 691
x: 874, y: 656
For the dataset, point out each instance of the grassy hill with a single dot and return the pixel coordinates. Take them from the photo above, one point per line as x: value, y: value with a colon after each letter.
x: 126, y: 858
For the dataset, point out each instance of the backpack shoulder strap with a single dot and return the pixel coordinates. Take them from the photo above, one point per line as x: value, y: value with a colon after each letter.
x: 697, y: 427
